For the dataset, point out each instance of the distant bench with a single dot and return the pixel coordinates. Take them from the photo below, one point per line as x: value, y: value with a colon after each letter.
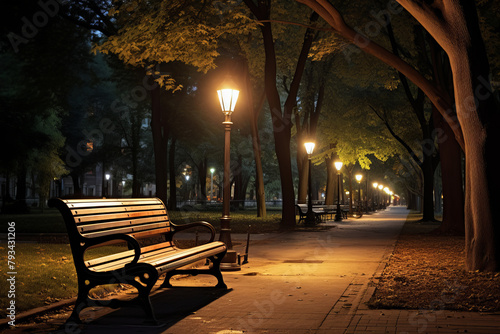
x: 321, y: 212
x: 98, y: 222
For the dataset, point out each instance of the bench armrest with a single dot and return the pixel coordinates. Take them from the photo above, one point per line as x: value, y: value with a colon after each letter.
x: 130, y: 240
x: 178, y: 228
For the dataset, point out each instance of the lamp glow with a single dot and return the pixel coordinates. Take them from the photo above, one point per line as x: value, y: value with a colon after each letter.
x: 309, y: 147
x: 338, y: 165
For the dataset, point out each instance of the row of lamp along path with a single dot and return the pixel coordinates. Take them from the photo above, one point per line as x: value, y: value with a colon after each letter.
x: 310, y: 217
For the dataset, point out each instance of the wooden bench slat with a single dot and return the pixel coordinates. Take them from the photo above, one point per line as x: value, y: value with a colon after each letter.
x: 121, y: 259
x: 185, y: 261
x: 129, y: 253
x: 86, y: 228
x: 128, y: 208
x: 106, y: 203
x: 115, y: 216
x: 127, y: 230
x: 164, y: 258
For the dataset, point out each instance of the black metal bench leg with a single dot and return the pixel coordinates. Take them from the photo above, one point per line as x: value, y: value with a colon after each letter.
x: 144, y: 283
x: 216, y: 260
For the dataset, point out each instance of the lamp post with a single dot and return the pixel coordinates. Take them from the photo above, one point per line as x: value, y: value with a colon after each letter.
x: 227, y: 98
x: 310, y: 219
x: 338, y: 214
x: 107, y: 176
x: 212, y: 170
x: 380, y: 187
x: 358, y: 178
x: 188, y: 191
x: 375, y: 185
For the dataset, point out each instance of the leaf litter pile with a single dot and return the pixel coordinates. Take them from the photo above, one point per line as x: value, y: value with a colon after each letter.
x: 427, y: 271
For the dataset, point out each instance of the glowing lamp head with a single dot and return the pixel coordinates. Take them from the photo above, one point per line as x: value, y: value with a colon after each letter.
x: 380, y: 187
x: 338, y: 165
x: 375, y: 184
x: 228, y: 95
x: 309, y: 147
x: 359, y: 177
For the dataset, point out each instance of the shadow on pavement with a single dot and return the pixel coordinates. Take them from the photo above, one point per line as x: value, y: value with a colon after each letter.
x: 170, y: 306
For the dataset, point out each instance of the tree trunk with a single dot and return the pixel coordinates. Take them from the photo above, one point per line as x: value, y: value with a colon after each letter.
x: 202, y: 179
x: 428, y: 191
x: 331, y: 184
x: 303, y: 170
x: 453, y: 193
x: 75, y: 177
x: 172, y: 202
x: 20, y: 203
x: 254, y: 128
x: 160, y: 143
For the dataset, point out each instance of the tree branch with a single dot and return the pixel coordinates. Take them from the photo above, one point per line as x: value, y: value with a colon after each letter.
x: 399, y: 139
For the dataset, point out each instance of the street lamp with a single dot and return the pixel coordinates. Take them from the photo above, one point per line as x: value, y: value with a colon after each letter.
x: 338, y: 214
x: 212, y: 170
x: 107, y: 176
x: 380, y: 187
x: 310, y: 214
x: 228, y: 96
x: 358, y: 178
x: 375, y: 185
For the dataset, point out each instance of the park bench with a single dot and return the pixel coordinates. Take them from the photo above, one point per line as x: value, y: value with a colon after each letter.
x: 320, y: 211
x: 302, y: 210
x: 142, y: 223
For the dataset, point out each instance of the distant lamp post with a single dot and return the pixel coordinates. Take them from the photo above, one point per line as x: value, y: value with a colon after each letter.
x: 188, y: 192
x: 228, y: 96
x: 310, y: 219
x: 375, y: 185
x: 212, y: 170
x: 381, y: 204
x: 107, y: 176
x: 359, y: 177
x: 123, y: 187
x: 338, y: 214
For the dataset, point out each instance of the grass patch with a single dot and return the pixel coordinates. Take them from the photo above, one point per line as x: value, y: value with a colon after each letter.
x: 45, y: 274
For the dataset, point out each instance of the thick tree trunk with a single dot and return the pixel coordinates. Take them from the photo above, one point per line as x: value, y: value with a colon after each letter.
x: 453, y: 193
x: 482, y: 233
x: 428, y: 198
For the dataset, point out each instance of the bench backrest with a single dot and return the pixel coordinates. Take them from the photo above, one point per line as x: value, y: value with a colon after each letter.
x: 91, y: 218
